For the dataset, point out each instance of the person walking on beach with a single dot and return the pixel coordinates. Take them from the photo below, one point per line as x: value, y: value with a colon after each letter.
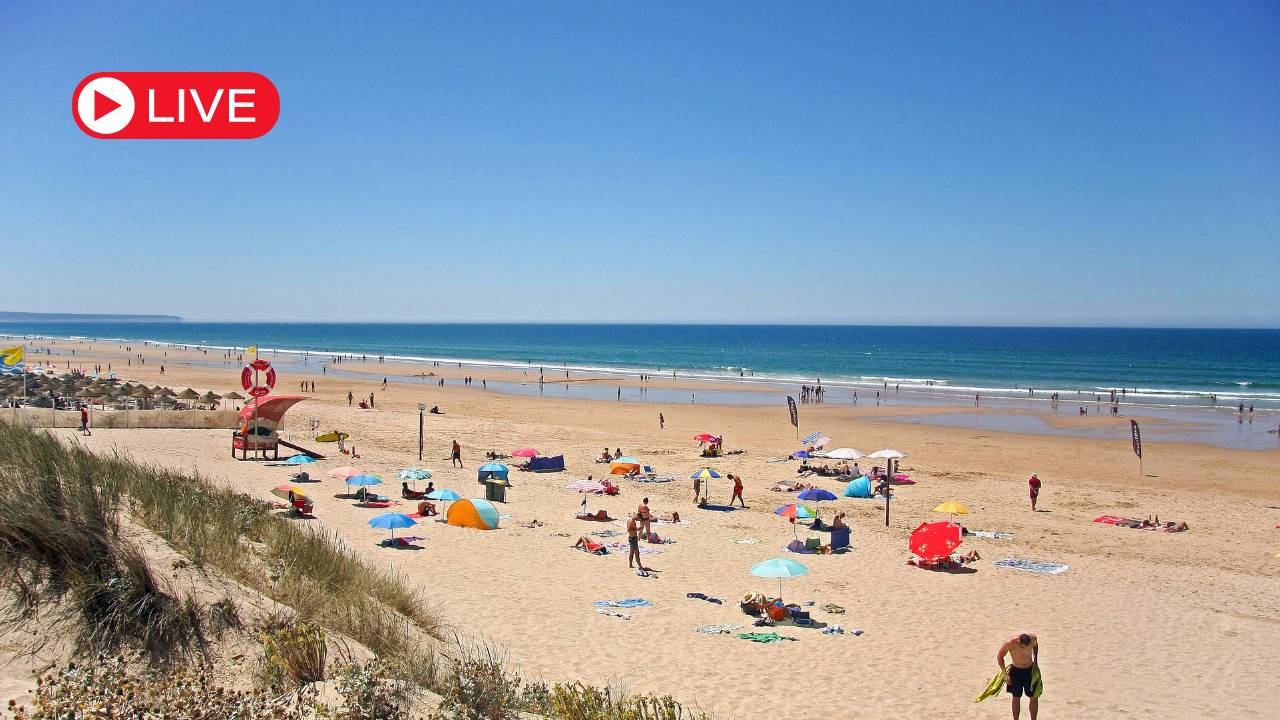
x: 384, y: 383
x: 1033, y: 483
x: 350, y: 398
x: 84, y: 421
x: 662, y: 422
x: 737, y: 491
x: 646, y: 518
x: 455, y: 455
x: 633, y: 540
x: 1024, y: 656
x: 697, y: 488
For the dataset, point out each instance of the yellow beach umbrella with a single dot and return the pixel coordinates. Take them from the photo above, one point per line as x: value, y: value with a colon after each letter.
x: 952, y: 507
x: 283, y: 491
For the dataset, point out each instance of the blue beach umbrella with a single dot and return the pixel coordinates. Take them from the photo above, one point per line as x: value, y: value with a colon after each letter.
x: 801, y: 455
x: 445, y: 495
x: 391, y: 521
x: 816, y: 494
x: 779, y: 568
x: 364, y: 480
x: 299, y: 460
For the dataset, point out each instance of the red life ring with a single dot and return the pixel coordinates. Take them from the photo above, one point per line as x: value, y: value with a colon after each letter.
x: 246, y: 378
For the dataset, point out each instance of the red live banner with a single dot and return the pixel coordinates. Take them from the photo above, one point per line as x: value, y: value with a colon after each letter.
x: 175, y: 105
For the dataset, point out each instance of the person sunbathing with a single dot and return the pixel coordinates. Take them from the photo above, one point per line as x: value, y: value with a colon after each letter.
x: 971, y: 556
x: 411, y: 494
x: 594, y: 548
x: 673, y: 518
x: 426, y: 508
x: 837, y: 522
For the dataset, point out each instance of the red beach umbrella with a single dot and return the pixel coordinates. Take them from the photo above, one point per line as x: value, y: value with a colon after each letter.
x: 525, y: 452
x: 935, y: 540
x: 705, y: 437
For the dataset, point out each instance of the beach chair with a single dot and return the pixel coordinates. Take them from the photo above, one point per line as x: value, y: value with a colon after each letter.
x: 840, y: 539
x: 801, y: 617
x: 814, y: 544
x: 649, y: 472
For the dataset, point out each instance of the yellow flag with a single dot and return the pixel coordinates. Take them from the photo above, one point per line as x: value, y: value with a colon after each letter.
x: 252, y: 350
x: 11, y: 358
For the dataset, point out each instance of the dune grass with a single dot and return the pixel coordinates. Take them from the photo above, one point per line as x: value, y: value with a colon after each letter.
x: 313, y: 573
x: 59, y: 540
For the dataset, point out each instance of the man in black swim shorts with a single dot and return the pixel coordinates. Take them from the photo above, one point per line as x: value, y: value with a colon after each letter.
x: 1024, y: 657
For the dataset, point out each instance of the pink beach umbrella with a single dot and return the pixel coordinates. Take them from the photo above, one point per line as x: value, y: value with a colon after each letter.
x: 525, y: 452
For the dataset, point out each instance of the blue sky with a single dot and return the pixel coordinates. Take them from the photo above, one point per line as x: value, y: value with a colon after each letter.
x: 991, y: 163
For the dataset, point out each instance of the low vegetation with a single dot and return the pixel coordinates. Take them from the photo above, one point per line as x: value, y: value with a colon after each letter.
x: 62, y: 552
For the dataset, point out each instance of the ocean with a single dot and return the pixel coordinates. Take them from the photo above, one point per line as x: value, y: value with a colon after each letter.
x: 1155, y: 366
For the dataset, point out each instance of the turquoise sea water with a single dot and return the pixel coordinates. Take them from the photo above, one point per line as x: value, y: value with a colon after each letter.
x: 1156, y: 366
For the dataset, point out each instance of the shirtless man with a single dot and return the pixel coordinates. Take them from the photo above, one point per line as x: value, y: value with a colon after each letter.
x: 645, y: 517
x: 1024, y: 655
x: 633, y: 539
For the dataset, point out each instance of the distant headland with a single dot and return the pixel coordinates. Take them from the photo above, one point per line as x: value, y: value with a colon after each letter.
x: 34, y: 317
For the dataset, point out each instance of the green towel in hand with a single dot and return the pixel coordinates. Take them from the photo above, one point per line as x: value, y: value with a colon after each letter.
x: 1037, y: 683
x: 993, y: 687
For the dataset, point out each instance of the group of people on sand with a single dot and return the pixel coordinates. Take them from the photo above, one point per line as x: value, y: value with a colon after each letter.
x: 608, y: 457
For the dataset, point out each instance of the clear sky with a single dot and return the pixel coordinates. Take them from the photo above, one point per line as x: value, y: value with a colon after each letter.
x: 940, y: 162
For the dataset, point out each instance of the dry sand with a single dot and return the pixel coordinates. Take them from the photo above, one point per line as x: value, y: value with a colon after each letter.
x: 1181, y: 625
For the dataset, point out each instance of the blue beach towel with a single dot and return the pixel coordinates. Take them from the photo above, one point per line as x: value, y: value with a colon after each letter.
x: 624, y: 603
x: 1035, y: 566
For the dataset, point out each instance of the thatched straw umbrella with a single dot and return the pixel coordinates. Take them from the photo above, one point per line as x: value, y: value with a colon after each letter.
x: 210, y: 398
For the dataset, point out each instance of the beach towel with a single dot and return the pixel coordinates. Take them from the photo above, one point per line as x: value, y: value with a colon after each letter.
x: 717, y: 629
x: 994, y: 686
x: 703, y: 596
x: 779, y: 460
x: 833, y: 630
x: 1111, y: 520
x: 1035, y: 566
x: 718, y: 508
x: 1037, y: 683
x: 747, y: 541
x: 764, y: 638
x: 624, y: 548
x: 613, y: 613
x: 605, y: 533
x: 660, y: 521
x: 833, y: 608
x: 623, y: 603
x: 658, y: 479
x: 989, y: 534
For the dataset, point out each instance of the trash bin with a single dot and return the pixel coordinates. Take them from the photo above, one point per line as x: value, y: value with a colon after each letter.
x: 495, y: 491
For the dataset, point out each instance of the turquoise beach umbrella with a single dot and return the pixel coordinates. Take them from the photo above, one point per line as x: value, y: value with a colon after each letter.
x: 299, y: 460
x: 779, y: 568
x: 414, y: 474
x: 364, y: 480
x: 443, y: 494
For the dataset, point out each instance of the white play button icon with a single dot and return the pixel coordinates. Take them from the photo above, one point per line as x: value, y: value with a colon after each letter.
x: 105, y: 105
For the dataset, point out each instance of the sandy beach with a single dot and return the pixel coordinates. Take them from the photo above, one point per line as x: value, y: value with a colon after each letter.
x: 1181, y: 625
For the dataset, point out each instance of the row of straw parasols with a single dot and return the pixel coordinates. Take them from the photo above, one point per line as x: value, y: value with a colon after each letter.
x: 101, y: 390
